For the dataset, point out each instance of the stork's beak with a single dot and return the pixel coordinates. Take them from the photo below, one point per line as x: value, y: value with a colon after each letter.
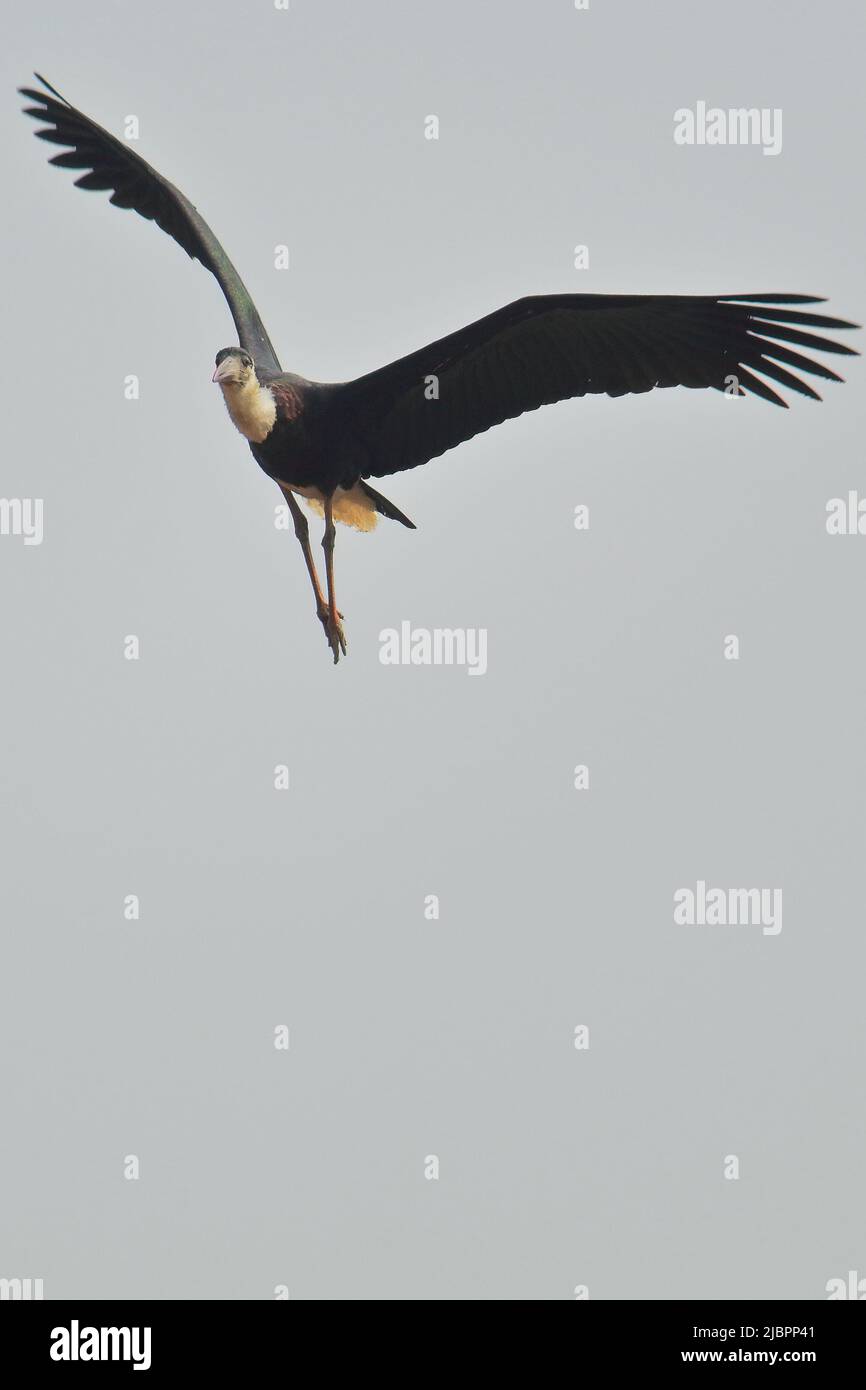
x: 226, y: 370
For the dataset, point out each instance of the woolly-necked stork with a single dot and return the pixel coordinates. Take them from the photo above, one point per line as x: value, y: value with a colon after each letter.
x: 324, y: 441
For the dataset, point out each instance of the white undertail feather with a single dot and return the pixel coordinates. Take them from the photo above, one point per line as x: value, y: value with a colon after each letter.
x: 351, y: 506
x: 252, y: 408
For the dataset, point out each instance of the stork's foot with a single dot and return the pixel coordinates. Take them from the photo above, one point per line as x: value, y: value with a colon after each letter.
x: 334, y: 632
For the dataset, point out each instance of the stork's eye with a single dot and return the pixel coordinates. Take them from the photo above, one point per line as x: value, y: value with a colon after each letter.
x: 247, y: 361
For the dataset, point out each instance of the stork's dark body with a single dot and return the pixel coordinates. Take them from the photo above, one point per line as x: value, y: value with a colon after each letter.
x: 313, y: 446
x: 307, y: 446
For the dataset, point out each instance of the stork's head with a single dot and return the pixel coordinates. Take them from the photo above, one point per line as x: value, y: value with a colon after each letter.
x: 234, y: 367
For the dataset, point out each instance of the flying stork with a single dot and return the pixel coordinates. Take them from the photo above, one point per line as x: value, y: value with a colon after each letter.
x: 324, y: 441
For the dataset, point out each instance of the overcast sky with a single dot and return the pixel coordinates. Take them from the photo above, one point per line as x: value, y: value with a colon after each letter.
x: 413, y: 1037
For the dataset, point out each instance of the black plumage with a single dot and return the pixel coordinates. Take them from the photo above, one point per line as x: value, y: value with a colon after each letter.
x: 328, y: 439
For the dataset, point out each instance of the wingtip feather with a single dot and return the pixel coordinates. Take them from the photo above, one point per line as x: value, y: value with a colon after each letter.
x: 46, y: 83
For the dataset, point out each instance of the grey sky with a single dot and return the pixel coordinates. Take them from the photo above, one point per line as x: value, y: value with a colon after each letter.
x: 605, y: 647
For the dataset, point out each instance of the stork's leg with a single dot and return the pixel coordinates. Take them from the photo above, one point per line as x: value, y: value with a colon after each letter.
x: 334, y: 628
x: 302, y: 531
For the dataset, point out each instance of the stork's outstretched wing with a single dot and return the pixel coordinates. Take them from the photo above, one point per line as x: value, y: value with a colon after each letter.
x: 113, y: 165
x: 549, y: 347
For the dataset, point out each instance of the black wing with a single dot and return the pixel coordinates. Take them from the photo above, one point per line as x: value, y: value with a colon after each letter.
x: 136, y: 185
x: 550, y: 347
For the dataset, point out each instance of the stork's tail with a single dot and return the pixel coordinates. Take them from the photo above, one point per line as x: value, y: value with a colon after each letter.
x: 386, y: 508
